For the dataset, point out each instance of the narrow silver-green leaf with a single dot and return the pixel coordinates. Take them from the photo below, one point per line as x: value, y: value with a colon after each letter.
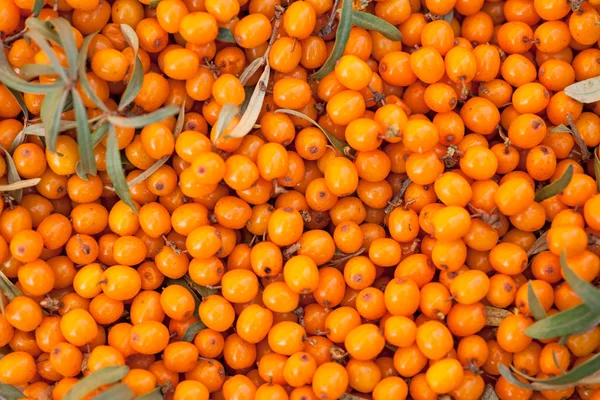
x: 67, y: 38
x: 9, y: 392
x: 541, y: 244
x: 38, y: 5
x: 31, y: 71
x: 255, y: 104
x: 139, y: 121
x: 341, y: 39
x: 449, y: 16
x: 84, y: 137
x: 202, y: 291
x: 192, y: 331
x: 561, y: 324
x: 555, y: 187
x: 575, y: 376
x: 8, y: 288
x: 99, y: 134
x: 82, y: 71
x: 535, y: 306
x: 19, y: 98
x: 371, y: 22
x: 51, y: 111
x: 225, y: 35
x: 137, y: 77
x: 338, y: 144
x: 13, y: 176
x: 38, y: 129
x: 251, y: 69
x: 95, y: 380
x: 156, y: 394
x: 560, y: 128
x: 146, y: 174
x: 585, y: 290
x: 597, y: 167
x: 13, y: 81
x: 44, y: 29
x: 587, y: 91
x: 119, y: 391
x: 226, y: 115
x: 180, y: 120
x: 43, y: 44
x: 114, y: 168
x: 20, y: 185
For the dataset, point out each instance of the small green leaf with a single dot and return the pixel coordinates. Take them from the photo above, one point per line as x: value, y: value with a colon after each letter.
x: 31, y: 71
x: 153, y: 3
x: 371, y: 22
x: 338, y: 144
x: 192, y: 331
x: 226, y: 115
x: 156, y: 394
x: 535, y: 306
x: 146, y: 174
x: 43, y: 28
x: 114, y: 168
x: 38, y: 5
x: 43, y: 44
x: 561, y: 324
x: 180, y: 120
x: 341, y: 39
x: 20, y: 185
x: 84, y: 137
x: 251, y: 69
x: 248, y: 119
x: 67, y: 38
x: 95, y: 380
x: 82, y: 72
x: 8, y: 288
x: 541, y: 244
x: 13, y: 81
x: 140, y: 121
x: 13, y: 176
x: 449, y: 16
x: 51, y: 111
x: 202, y: 291
x: 597, y: 167
x: 99, y: 134
x: 9, y: 392
x: 586, y: 291
x: 587, y: 91
x: 555, y: 187
x: 119, y: 391
x: 19, y: 98
x: 225, y: 35
x: 137, y: 77
x: 560, y: 128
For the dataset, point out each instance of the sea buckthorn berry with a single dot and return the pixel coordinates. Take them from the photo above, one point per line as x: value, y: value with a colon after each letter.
x: 198, y: 27
x: 299, y: 19
x: 251, y: 31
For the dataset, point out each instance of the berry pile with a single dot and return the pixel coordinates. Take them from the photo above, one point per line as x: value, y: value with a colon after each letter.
x: 299, y: 199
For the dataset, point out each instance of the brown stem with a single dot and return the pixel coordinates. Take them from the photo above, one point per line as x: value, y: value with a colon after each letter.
x: 397, y: 199
x: 585, y: 153
x: 327, y: 29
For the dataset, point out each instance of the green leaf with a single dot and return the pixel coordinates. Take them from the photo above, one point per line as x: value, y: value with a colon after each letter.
x: 43, y: 44
x: 226, y: 115
x: 180, y: 120
x: 13, y: 81
x: 535, y: 306
x: 19, y: 98
x: 587, y: 91
x: 99, y: 134
x: 20, y: 185
x: 31, y: 71
x: 8, y: 288
x: 153, y: 3
x: 449, y: 17
x: 13, y: 176
x: 560, y: 128
x: 43, y: 28
x: 597, y: 167
x: 140, y: 121
x: 341, y: 39
x: 588, y: 292
x: 192, y: 331
x: 51, y: 111
x: 371, y: 22
x: 555, y: 187
x: 338, y: 144
x: 156, y: 394
x: 38, y: 5
x: 248, y: 90
x: 202, y: 291
x: 137, y: 77
x: 225, y: 35
x: 67, y: 38
x: 146, y: 174
x: 541, y: 244
x: 84, y: 137
x: 9, y: 392
x: 83, y: 80
x: 251, y: 69
x: 95, y: 380
x: 114, y: 168
x: 38, y: 129
x: 248, y: 119
x: 119, y: 391
x: 561, y: 324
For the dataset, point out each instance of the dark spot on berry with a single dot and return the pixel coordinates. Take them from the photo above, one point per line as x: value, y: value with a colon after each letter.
x: 537, y: 123
x: 313, y: 149
x: 508, y: 287
x: 159, y: 186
